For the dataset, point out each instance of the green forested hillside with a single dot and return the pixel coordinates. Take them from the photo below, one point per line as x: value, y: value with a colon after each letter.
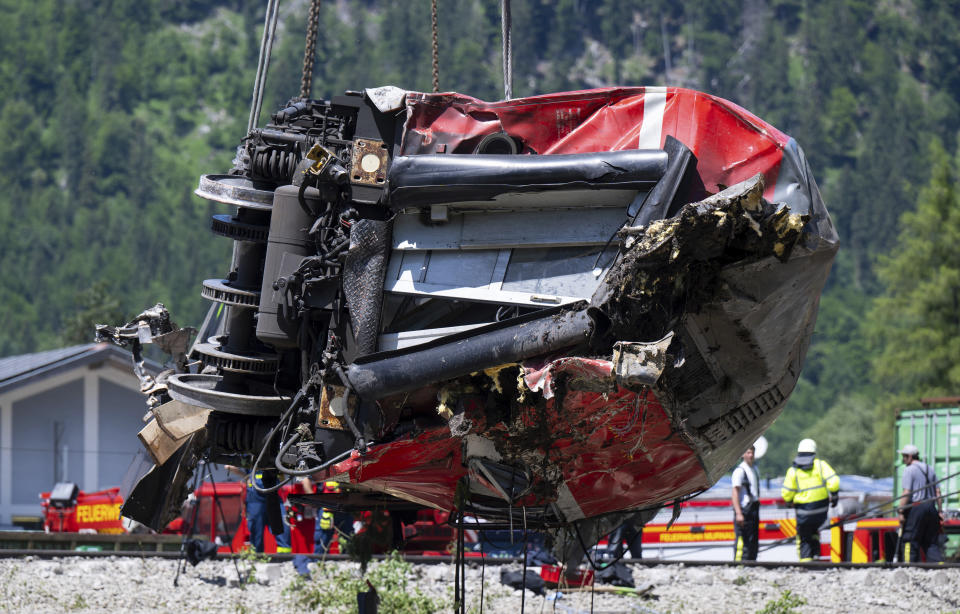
x: 109, y: 111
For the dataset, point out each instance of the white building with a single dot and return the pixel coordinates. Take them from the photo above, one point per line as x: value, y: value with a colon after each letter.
x: 67, y: 415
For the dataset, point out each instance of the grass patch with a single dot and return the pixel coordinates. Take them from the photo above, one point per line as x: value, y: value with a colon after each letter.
x: 333, y: 589
x: 784, y: 604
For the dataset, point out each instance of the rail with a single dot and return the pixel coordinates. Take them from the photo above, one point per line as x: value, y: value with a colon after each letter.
x: 36, y: 544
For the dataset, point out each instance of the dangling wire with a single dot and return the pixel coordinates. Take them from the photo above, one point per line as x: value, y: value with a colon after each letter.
x: 459, y: 592
x: 483, y: 562
x: 456, y: 554
x: 462, y: 565
x: 561, y: 583
x: 263, y: 65
x: 310, y: 49
x: 507, y: 54
x: 523, y: 590
x: 593, y: 586
x: 436, y: 46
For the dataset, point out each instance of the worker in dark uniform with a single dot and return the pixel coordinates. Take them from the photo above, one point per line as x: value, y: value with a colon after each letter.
x: 257, y: 514
x: 746, y: 508
x: 256, y: 511
x: 633, y: 536
x: 811, y: 486
x: 920, y: 509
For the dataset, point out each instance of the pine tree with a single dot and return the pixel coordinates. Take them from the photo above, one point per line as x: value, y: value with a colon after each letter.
x: 915, y: 323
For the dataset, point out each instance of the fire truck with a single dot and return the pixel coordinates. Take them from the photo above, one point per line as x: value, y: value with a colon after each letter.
x: 216, y: 511
x: 66, y: 509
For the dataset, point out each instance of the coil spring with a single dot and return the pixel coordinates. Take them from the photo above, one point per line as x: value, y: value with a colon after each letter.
x: 238, y: 435
x: 275, y: 164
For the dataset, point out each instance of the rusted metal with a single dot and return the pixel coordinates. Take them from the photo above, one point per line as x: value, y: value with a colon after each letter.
x: 369, y: 162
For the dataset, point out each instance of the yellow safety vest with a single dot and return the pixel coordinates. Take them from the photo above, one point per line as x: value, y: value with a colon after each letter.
x: 810, y: 485
x: 326, y: 520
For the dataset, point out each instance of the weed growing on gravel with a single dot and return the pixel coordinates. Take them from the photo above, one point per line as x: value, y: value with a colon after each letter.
x: 248, y: 564
x: 5, y: 592
x: 79, y: 603
x: 334, y: 589
x: 741, y: 580
x: 784, y: 604
x: 491, y: 594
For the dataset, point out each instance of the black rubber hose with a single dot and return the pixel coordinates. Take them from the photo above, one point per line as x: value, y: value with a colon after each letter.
x: 303, y: 472
x: 378, y: 376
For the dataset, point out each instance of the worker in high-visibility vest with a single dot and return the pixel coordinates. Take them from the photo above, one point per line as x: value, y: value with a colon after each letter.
x: 811, y: 486
x: 323, y: 534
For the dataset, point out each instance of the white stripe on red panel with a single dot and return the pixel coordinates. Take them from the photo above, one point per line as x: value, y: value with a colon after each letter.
x: 651, y: 129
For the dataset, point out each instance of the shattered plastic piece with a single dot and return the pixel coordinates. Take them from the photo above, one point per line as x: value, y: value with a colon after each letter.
x: 386, y: 98
x: 639, y: 364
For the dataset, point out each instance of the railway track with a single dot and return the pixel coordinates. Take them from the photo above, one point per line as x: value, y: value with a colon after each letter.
x: 36, y: 544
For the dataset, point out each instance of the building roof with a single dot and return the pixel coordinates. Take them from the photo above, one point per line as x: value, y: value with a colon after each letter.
x: 16, y: 371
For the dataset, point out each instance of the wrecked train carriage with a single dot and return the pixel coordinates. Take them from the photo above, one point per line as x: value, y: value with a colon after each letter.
x: 552, y: 303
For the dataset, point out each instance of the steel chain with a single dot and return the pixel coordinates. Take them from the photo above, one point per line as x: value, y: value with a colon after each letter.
x: 506, y: 27
x: 310, y: 49
x: 436, y: 46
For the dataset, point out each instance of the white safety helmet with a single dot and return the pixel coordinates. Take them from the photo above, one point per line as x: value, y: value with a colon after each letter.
x: 808, y: 446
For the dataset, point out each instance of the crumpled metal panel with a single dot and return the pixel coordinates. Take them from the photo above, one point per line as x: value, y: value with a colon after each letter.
x: 606, y: 448
x: 616, y: 449
x: 730, y: 143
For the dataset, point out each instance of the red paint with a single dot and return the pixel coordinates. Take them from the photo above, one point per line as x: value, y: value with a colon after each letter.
x: 616, y: 451
x: 731, y: 144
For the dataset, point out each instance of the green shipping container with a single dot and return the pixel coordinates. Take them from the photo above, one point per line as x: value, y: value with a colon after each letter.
x: 936, y: 432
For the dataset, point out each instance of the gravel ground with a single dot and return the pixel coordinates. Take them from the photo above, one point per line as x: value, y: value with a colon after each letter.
x: 146, y: 585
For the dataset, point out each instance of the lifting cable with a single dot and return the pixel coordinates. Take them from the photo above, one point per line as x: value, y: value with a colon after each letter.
x: 507, y: 54
x: 310, y: 49
x: 263, y: 64
x: 434, y: 29
x: 523, y: 590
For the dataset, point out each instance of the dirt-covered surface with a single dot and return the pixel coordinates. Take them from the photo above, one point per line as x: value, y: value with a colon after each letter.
x: 147, y: 585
